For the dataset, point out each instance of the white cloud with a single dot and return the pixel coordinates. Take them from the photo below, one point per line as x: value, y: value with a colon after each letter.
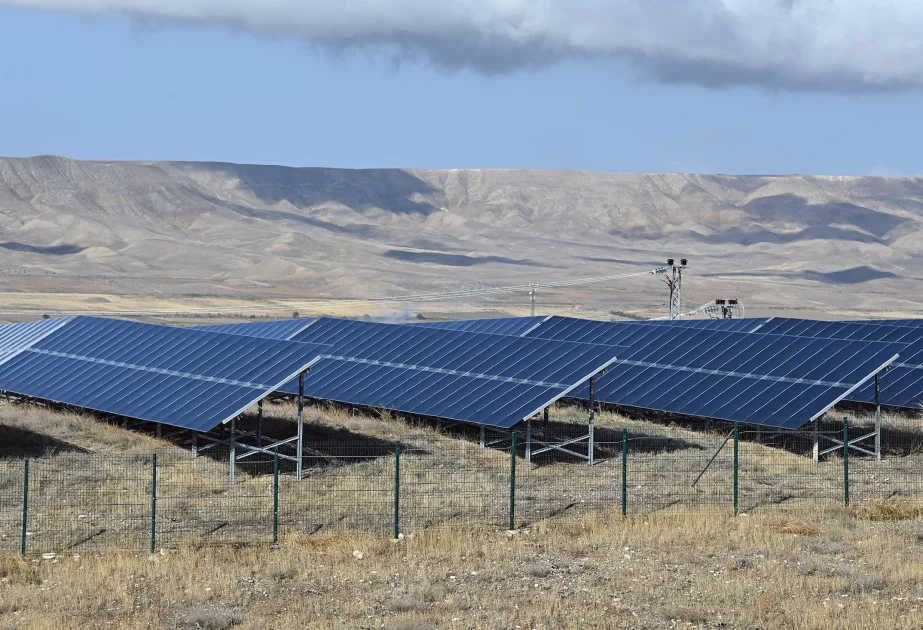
x: 835, y: 45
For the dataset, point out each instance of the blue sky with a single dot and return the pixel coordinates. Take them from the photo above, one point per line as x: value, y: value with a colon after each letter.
x: 110, y: 86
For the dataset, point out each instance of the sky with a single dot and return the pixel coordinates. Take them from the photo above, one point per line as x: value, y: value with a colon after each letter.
x: 739, y: 86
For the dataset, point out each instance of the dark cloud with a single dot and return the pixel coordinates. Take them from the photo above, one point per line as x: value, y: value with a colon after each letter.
x: 821, y: 45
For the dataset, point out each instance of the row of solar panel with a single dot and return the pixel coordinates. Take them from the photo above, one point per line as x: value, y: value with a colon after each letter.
x: 902, y: 386
x: 781, y: 381
x: 199, y: 378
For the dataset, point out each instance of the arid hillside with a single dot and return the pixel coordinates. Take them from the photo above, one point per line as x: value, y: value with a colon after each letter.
x: 846, y: 245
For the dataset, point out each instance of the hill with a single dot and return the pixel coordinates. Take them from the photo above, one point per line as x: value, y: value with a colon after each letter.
x: 245, y: 231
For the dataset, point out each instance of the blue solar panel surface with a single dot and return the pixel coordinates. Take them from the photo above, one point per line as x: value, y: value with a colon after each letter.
x: 901, y: 386
x: 185, y: 378
x: 472, y: 377
x: 774, y: 380
x: 747, y: 324
x: 15, y: 337
x: 514, y: 326
x: 281, y: 329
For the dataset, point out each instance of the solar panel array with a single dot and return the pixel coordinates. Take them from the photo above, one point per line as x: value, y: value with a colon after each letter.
x: 515, y: 326
x: 280, y: 329
x: 773, y: 380
x: 498, y: 372
x: 185, y: 378
x: 472, y: 377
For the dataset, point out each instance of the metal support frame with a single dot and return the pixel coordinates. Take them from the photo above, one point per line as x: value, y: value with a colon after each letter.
x: 546, y: 446
x: 838, y: 444
x: 239, y: 450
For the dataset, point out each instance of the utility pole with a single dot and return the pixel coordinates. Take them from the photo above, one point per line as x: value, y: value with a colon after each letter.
x: 674, y: 280
x: 532, y: 297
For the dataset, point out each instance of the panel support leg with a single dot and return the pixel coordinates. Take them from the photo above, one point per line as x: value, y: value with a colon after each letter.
x: 482, y: 440
x: 159, y: 429
x: 591, y: 420
x: 300, y: 423
x: 529, y: 442
x: 545, y: 425
x: 233, y: 456
x: 195, y: 444
x: 259, y: 424
x: 878, y: 417
x: 816, y: 449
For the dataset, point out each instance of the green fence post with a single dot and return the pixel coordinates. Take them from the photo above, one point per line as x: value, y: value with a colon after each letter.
x: 624, y: 472
x: 736, y: 467
x: 513, y: 484
x: 397, y: 490
x: 25, y: 504
x: 846, y: 460
x: 275, y: 496
x: 153, y: 501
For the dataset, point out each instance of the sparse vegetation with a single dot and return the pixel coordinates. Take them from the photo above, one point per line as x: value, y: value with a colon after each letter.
x: 574, y: 562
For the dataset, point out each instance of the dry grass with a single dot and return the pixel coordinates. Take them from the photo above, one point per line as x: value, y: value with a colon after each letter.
x: 801, y: 562
x: 594, y: 571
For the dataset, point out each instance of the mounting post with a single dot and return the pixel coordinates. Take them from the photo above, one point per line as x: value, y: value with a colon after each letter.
x: 300, y: 424
x: 259, y: 424
x: 624, y: 472
x: 482, y: 431
x: 845, y: 460
x: 233, y: 445
x: 159, y: 430
x: 153, y: 502
x: 591, y: 420
x: 736, y: 468
x: 545, y: 425
x: 25, y: 504
x: 878, y: 417
x: 816, y: 449
x: 195, y: 444
x: 529, y: 441
x: 397, y: 490
x: 275, y: 497
x: 513, y: 483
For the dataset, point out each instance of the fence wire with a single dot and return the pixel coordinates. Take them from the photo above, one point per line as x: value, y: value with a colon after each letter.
x: 81, y: 502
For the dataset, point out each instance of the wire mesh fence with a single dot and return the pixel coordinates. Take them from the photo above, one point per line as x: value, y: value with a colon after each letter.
x: 84, y: 501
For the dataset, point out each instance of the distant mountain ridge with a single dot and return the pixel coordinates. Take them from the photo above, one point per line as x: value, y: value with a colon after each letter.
x: 214, y: 227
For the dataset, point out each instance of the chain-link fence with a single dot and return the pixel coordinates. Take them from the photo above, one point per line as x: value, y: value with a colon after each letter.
x: 84, y: 501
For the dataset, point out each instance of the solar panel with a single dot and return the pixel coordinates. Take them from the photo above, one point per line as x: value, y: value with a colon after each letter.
x: 280, y: 329
x: 15, y: 337
x: 465, y: 397
x: 774, y: 380
x: 479, y: 378
x: 185, y: 378
x: 901, y: 385
x: 746, y: 324
x: 514, y: 326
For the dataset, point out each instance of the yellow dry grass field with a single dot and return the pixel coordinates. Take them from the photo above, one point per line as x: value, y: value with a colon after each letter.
x: 834, y: 569
x: 795, y: 558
